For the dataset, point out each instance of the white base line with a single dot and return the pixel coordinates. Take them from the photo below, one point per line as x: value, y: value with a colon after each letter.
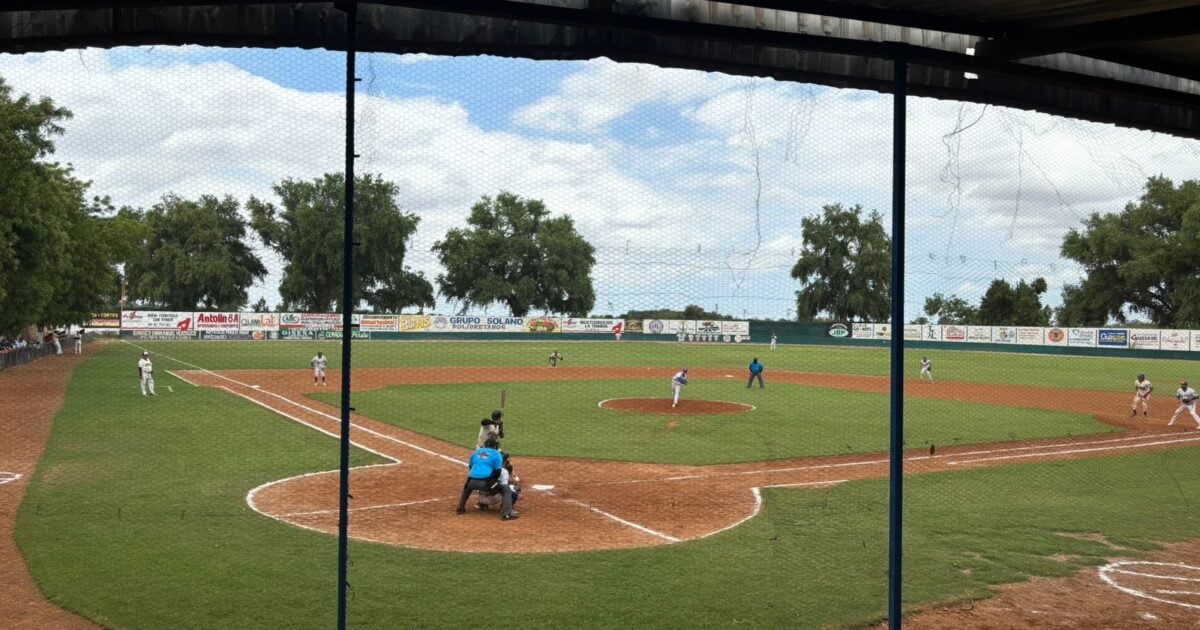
x: 1073, y: 451
x: 309, y: 425
x: 758, y: 503
x: 361, y: 509
x: 182, y: 379
x: 9, y: 477
x: 624, y: 522
x: 383, y: 436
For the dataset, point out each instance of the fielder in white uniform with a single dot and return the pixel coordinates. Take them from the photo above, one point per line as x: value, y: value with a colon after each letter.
x: 79, y: 341
x: 318, y: 365
x: 677, y: 381
x: 1141, y: 393
x: 146, y: 374
x: 1187, y: 400
x: 926, y: 369
x: 773, y: 339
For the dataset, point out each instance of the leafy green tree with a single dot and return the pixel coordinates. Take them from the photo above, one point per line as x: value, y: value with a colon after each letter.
x: 950, y: 310
x: 1020, y: 306
x: 308, y: 232
x: 56, y: 251
x: 260, y: 306
x: 845, y: 266
x: 1142, y: 260
x: 514, y: 252
x: 691, y: 311
x: 196, y: 256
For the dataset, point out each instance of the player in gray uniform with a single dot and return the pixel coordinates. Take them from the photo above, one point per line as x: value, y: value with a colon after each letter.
x: 1141, y: 393
x: 1187, y: 401
x: 146, y: 374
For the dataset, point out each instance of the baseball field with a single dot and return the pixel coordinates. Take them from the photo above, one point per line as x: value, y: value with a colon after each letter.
x: 1032, y: 498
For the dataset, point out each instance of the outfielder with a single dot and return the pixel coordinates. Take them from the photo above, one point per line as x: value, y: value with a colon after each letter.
x: 1141, y: 393
x: 1187, y: 400
x: 318, y: 365
x: 146, y: 374
x: 677, y: 381
x: 926, y: 369
x: 773, y: 340
x: 555, y: 357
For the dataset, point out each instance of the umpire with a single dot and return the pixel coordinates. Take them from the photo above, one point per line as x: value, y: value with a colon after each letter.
x: 485, y: 465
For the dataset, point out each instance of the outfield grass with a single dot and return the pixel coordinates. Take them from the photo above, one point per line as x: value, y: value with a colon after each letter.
x: 562, y: 418
x: 1098, y: 373
x: 136, y: 518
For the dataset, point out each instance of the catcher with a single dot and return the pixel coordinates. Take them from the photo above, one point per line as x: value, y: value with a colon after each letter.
x: 1187, y: 400
x: 1141, y: 393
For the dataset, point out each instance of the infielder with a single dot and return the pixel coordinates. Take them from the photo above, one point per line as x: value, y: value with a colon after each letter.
x: 1187, y: 400
x: 555, y: 357
x: 1141, y: 393
x: 146, y: 374
x: 677, y: 381
x: 926, y: 369
x: 318, y: 365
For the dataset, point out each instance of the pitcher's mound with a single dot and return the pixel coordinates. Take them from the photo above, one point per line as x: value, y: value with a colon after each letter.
x: 663, y: 405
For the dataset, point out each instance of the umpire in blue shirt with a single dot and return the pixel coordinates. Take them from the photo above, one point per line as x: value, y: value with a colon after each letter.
x: 755, y: 372
x: 485, y: 465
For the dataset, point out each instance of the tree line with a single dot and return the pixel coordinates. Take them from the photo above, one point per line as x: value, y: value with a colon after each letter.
x: 64, y: 256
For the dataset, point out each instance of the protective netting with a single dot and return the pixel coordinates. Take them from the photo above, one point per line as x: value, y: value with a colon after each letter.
x: 560, y: 241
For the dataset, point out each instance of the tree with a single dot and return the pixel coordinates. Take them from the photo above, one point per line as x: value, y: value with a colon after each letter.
x: 1143, y: 260
x: 308, y: 232
x: 56, y: 263
x: 845, y: 266
x: 196, y: 256
x: 950, y: 309
x: 260, y: 306
x: 1020, y: 306
x: 514, y: 252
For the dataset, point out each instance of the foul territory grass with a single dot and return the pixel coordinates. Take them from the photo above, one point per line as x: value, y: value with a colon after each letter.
x: 563, y: 418
x: 136, y: 518
x: 1050, y: 371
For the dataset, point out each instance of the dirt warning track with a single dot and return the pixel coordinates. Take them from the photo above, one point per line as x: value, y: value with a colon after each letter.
x: 613, y: 505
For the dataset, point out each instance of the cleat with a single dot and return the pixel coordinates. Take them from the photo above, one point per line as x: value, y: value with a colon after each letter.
x: 460, y: 511
x: 511, y: 516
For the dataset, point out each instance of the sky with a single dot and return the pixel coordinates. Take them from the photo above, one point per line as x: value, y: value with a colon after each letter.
x: 692, y: 186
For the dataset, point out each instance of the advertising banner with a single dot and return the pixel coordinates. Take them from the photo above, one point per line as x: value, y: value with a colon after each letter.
x: 160, y: 334
x: 862, y: 330
x: 1081, y: 337
x: 415, y: 323
x: 954, y: 333
x: 839, y: 330
x: 291, y: 321
x: 1056, y: 337
x: 156, y: 320
x: 661, y: 326
x: 1173, y: 339
x: 218, y: 322
x: 379, y: 323
x: 739, y: 328
x: 1143, y: 339
x: 708, y: 327
x: 912, y: 332
x: 594, y: 326
x: 883, y: 331
x: 1030, y: 336
x: 321, y: 321
x: 543, y: 325
x: 475, y: 323
x: 979, y: 334
x: 258, y: 322
x: 1004, y: 334
x: 224, y: 335
x: 1113, y: 338
x: 1195, y: 334
x: 104, y: 320
x: 931, y: 332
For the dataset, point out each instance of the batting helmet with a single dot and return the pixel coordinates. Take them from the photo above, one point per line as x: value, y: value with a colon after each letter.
x: 497, y: 414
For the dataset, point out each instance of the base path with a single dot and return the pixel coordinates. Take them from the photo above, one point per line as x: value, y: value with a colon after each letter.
x: 34, y: 393
x: 611, y: 505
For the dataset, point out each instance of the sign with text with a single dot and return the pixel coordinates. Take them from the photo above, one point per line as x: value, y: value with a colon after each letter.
x: 1081, y: 337
x: 258, y: 322
x: 1143, y: 339
x: 218, y: 322
x: 156, y: 320
x: 1113, y: 338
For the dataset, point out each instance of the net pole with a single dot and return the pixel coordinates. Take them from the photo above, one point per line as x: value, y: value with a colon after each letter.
x: 896, y: 459
x: 351, y: 10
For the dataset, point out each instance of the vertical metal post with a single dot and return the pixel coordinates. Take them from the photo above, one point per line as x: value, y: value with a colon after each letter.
x: 896, y: 468
x: 351, y: 10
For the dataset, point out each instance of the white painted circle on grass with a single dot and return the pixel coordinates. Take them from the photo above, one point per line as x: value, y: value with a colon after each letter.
x: 8, y: 477
x: 1166, y: 582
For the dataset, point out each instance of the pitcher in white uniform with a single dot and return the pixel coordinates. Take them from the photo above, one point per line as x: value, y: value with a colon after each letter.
x: 677, y: 382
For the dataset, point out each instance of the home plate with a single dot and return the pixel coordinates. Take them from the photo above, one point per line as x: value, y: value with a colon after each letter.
x: 541, y: 487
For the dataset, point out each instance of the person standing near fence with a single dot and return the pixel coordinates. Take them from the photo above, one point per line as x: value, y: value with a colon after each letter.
x: 756, y: 369
x: 146, y: 374
x: 79, y: 342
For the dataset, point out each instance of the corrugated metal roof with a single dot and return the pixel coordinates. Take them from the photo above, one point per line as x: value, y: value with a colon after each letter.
x: 1129, y: 62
